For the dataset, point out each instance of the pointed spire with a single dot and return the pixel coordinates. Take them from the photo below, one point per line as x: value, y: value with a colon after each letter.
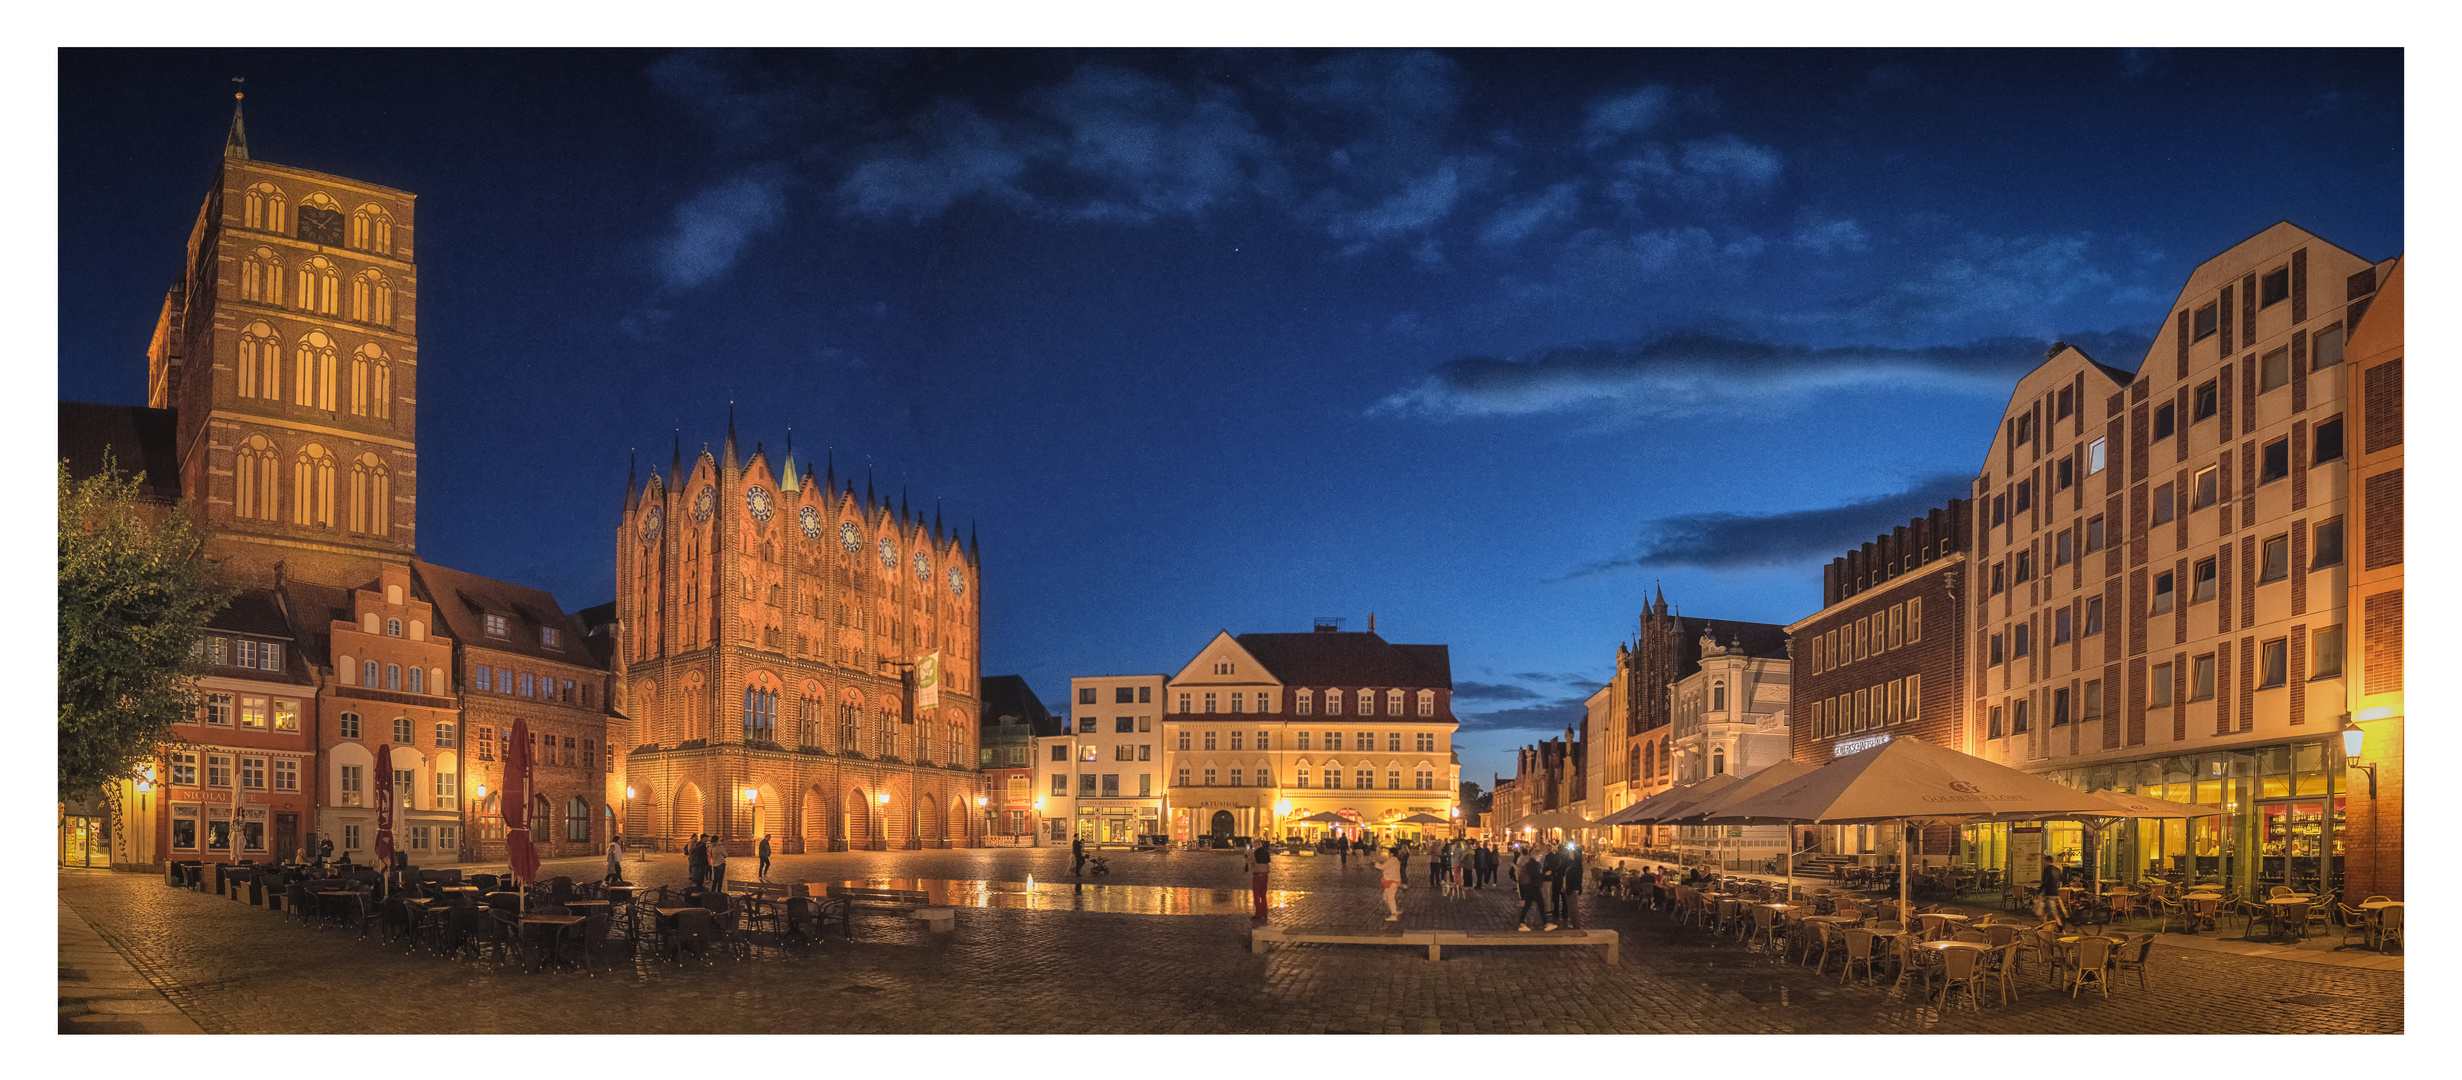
x: 632, y: 473
x: 903, y: 514
x: 830, y: 481
x: 936, y: 520
x: 974, y: 545
x: 235, y: 145
x: 869, y: 501
x: 731, y: 461
x: 675, y: 464
x: 787, y: 480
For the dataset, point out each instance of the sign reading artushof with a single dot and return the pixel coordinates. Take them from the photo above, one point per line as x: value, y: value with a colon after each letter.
x: 1857, y: 746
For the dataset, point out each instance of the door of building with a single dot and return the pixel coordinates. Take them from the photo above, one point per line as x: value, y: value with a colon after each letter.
x: 1223, y: 824
x: 286, y: 835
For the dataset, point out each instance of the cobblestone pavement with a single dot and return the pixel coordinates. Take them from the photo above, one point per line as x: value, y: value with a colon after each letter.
x: 233, y: 968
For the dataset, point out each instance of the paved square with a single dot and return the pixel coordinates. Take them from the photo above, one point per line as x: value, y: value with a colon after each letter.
x: 1114, y: 966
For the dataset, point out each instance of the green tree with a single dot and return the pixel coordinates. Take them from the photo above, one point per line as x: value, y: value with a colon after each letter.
x: 135, y: 594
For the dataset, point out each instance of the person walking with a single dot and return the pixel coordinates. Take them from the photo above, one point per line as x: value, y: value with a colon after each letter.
x: 765, y: 856
x: 1389, y: 876
x: 1259, y: 861
x: 1077, y: 850
x: 615, y: 859
x: 1342, y: 847
x: 1460, y: 870
x: 697, y: 860
x: 1526, y: 876
x: 2047, y: 896
x: 1551, y: 870
x: 1571, y: 884
x: 718, y: 866
x: 1402, y: 851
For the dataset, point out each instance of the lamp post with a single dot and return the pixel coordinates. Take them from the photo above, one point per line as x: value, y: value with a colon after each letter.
x: 644, y: 855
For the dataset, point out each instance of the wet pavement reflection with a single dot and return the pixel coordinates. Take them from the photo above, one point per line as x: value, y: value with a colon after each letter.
x: 1032, y: 895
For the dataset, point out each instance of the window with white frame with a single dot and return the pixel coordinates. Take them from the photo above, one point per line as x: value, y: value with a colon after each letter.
x: 286, y: 774
x: 1367, y: 702
x: 217, y: 770
x: 349, y: 725
x: 401, y: 729
x: 354, y: 787
x: 494, y: 625
x: 1425, y: 780
x: 1303, y: 701
x: 252, y: 712
x: 218, y: 710
x: 448, y: 790
x: 1393, y: 702
x: 1426, y: 742
x: 252, y: 773
x: 1427, y: 703
x: 444, y: 735
x: 350, y: 838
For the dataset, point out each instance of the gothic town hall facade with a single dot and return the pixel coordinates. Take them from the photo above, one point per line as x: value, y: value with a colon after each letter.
x: 777, y: 640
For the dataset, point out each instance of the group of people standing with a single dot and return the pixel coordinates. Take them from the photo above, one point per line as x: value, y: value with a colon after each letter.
x: 705, y: 858
x: 1545, y: 879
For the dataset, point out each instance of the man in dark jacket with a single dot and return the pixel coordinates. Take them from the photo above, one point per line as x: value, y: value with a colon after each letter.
x: 1568, y: 882
x: 1077, y: 850
x: 1527, y: 877
x: 697, y: 860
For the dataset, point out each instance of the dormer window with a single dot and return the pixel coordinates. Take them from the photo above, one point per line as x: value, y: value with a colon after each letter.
x: 495, y: 626
x: 551, y: 637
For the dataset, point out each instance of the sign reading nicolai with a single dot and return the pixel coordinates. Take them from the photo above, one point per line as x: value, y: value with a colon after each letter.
x: 1969, y: 791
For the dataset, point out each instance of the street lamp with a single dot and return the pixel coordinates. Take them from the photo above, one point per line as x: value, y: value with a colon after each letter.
x: 2353, y: 741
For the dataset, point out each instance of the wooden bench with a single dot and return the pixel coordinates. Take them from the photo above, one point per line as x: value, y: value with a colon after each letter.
x: 884, y: 899
x: 1435, y: 941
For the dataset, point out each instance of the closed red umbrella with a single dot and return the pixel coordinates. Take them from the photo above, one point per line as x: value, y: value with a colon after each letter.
x: 384, y: 807
x: 516, y: 798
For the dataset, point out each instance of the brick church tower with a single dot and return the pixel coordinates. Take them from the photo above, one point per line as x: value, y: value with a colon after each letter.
x: 775, y: 634
x: 289, y: 352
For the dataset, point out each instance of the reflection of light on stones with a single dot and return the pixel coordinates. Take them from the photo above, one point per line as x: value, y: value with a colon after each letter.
x: 1030, y: 895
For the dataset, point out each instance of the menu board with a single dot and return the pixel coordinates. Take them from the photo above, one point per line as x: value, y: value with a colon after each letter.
x: 2026, y: 853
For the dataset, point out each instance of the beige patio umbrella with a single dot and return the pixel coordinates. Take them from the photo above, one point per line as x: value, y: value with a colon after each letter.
x: 2117, y: 806
x: 1911, y: 781
x: 1652, y: 810
x: 1551, y: 819
x: 1729, y: 794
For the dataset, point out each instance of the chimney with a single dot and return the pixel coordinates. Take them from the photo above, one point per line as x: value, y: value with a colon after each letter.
x: 1371, y: 622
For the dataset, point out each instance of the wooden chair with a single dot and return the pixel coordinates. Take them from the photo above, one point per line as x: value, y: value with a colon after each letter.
x: 2389, y: 926
x: 1858, y: 951
x: 1764, y: 926
x: 2172, y: 911
x: 2319, y: 913
x: 1961, y: 968
x: 2093, y: 966
x: 2354, y: 924
x: 2279, y: 891
x: 2001, y: 935
x: 2132, y: 957
x: 2003, y: 968
x: 1974, y: 937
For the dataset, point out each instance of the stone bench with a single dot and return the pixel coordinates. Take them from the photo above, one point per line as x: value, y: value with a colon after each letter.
x: 1435, y: 941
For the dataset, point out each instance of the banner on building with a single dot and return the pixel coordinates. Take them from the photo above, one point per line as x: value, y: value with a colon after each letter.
x: 927, y: 681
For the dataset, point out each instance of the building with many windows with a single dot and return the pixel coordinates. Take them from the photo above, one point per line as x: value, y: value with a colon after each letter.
x: 1102, y: 778
x: 2372, y: 651
x: 1730, y: 717
x: 244, y: 786
x: 797, y: 661
x: 1013, y: 720
x: 1267, y: 729
x: 518, y: 656
x: 1885, y: 657
x: 2160, y: 579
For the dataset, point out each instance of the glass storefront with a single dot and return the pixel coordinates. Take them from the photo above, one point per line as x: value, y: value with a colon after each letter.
x: 2277, y: 815
x: 83, y: 843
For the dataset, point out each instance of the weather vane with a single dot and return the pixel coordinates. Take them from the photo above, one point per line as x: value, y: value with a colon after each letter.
x: 241, y: 93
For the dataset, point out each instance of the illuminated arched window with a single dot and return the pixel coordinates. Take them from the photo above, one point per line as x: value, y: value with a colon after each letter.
x: 371, y: 229
x: 317, y: 285
x: 260, y: 362
x: 371, y: 497
x: 265, y: 209
x: 260, y: 277
x: 312, y: 487
x: 255, y: 469
x: 371, y: 298
x: 367, y: 372
x: 1718, y: 761
x: 313, y: 365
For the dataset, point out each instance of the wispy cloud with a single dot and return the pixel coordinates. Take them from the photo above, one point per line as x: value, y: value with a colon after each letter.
x: 1829, y: 237
x: 1516, y: 222
x: 948, y: 152
x: 1544, y: 719
x: 1479, y: 691
x: 1629, y: 113
x: 1691, y: 374
x: 1724, y: 541
x: 2013, y: 283
x: 711, y: 228
x: 1150, y: 148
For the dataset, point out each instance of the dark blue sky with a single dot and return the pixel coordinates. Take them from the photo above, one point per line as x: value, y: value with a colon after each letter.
x: 1483, y: 342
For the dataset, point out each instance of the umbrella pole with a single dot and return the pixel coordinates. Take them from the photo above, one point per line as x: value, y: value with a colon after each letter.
x: 1906, y: 892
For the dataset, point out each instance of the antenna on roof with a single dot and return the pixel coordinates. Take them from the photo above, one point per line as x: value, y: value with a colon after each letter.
x: 1328, y: 625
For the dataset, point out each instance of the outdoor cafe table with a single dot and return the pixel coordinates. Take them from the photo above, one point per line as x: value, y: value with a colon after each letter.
x: 2275, y: 906
x: 555, y: 939
x: 329, y: 904
x: 2375, y: 911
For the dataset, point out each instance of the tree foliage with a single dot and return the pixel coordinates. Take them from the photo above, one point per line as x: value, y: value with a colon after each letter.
x: 135, y: 594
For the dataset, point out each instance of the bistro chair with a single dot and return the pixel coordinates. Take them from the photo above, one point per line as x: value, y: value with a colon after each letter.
x: 2319, y: 912
x: 2044, y: 946
x: 2354, y: 924
x: 2093, y: 965
x: 1816, y: 940
x: 2389, y: 926
x: 503, y: 933
x: 2002, y: 964
x: 1961, y: 968
x: 1975, y: 937
x: 1932, y: 924
x: 2001, y: 934
x: 1858, y: 951
x: 2206, y: 913
x: 2291, y: 920
x: 457, y: 928
x: 2172, y: 911
x: 2279, y: 891
x: 1763, y: 926
x: 691, y: 932
x: 2132, y: 957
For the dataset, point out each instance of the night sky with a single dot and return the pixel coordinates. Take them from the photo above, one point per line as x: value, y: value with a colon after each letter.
x: 1486, y: 343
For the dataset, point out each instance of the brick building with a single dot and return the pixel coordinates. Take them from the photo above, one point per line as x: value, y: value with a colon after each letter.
x: 770, y: 628
x: 2373, y: 848
x: 282, y: 390
x: 1885, y: 657
x: 1013, y: 719
x: 2158, y: 580
x: 1636, y: 739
